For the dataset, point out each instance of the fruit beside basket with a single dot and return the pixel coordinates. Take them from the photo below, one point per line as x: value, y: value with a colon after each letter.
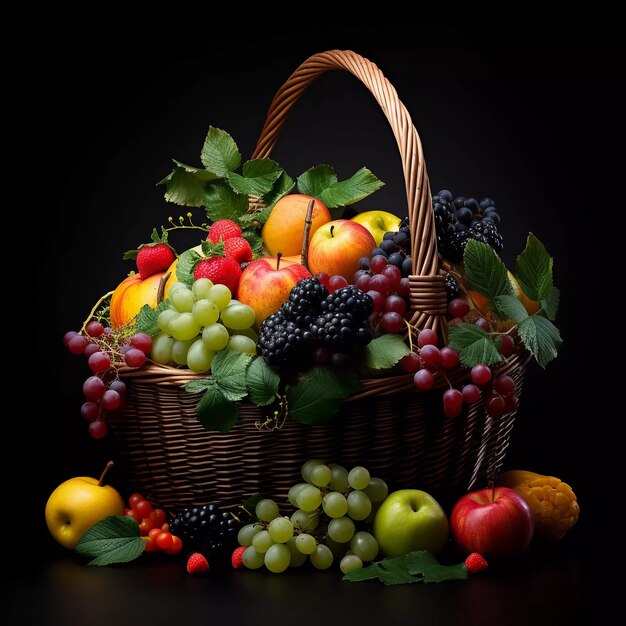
x: 291, y: 332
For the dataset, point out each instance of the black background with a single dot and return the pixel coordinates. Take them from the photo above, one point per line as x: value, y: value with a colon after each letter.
x: 531, y: 127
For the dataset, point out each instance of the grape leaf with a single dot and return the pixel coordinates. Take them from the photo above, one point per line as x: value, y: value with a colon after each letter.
x: 423, y: 563
x: 114, y: 539
x: 473, y: 344
x: 258, y: 177
x: 184, y: 268
x: 385, y: 351
x: 220, y: 154
x: 509, y: 307
x: 222, y: 203
x: 541, y: 337
x: 550, y: 304
x: 228, y: 371
x: 146, y: 320
x: 316, y: 179
x: 215, y: 411
x: 262, y: 382
x: 484, y: 270
x: 534, y: 269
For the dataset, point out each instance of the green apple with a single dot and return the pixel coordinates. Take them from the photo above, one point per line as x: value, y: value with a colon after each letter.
x: 378, y: 223
x: 409, y: 520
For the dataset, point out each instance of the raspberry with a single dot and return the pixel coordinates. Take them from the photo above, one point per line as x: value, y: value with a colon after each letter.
x: 237, y: 558
x: 476, y: 563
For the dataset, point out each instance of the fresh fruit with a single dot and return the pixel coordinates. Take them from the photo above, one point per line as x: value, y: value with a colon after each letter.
x: 552, y: 502
x: 408, y: 520
x: 496, y: 522
x: 237, y: 557
x: 197, y: 564
x: 283, y: 231
x: 337, y: 246
x: 223, y: 229
x: 219, y: 269
x: 266, y: 283
x: 378, y: 223
x: 77, y: 504
x: 476, y: 563
x: 239, y: 249
x: 153, y: 259
x: 130, y: 295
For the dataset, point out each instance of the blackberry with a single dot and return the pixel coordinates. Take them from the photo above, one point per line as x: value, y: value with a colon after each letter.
x: 452, y: 287
x: 488, y: 234
x: 350, y: 300
x: 283, y: 341
x: 304, y: 299
x: 206, y: 529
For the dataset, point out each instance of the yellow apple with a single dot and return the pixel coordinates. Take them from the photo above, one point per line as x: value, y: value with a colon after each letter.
x: 77, y: 504
x: 378, y: 223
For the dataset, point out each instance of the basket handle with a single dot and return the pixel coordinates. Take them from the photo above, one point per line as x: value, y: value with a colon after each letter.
x: 428, y: 293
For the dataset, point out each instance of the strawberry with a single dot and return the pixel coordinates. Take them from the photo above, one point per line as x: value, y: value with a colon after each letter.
x: 197, y: 564
x: 154, y: 258
x: 223, y: 229
x: 239, y: 249
x: 237, y: 558
x: 476, y: 563
x: 219, y: 269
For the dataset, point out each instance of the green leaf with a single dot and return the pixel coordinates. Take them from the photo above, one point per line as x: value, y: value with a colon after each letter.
x: 215, y: 411
x: 222, y: 203
x: 255, y: 241
x: 550, y: 304
x: 281, y: 188
x: 541, y: 337
x: 220, y: 154
x: 114, y: 539
x: 184, y: 268
x: 262, y: 382
x: 425, y: 564
x: 204, y: 175
x: 371, y: 572
x: 228, y: 371
x: 146, y: 320
x: 485, y: 272
x: 385, y: 351
x: 473, y: 344
x: 258, y: 177
x: 184, y: 187
x: 196, y: 386
x: 509, y: 307
x: 534, y: 269
x: 250, y: 504
x: 346, y: 192
x: 394, y: 571
x: 316, y: 179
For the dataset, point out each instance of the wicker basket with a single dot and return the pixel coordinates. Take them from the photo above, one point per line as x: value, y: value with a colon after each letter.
x: 397, y: 432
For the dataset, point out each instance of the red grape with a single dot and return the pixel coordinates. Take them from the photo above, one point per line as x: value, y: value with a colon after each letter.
x: 507, y: 345
x: 430, y: 355
x: 393, y: 275
x: 363, y: 282
x: 471, y: 394
x: 483, y: 323
x: 458, y: 307
x: 395, y: 303
x: 336, y: 282
x: 93, y: 389
x: 70, y: 335
x: 392, y: 322
x: 99, y: 362
x: 511, y: 403
x: 142, y: 342
x: 378, y: 300
x: 91, y: 348
x: 456, y: 320
x: 427, y: 337
x: 379, y: 282
x: 125, y: 348
x: 495, y: 405
x: 323, y: 277
x: 480, y: 374
x: 90, y: 411
x: 134, y: 358
x: 378, y: 263
x: 119, y: 386
x: 404, y: 288
x: 504, y: 385
x: 449, y: 411
x: 98, y: 429
x: 410, y: 363
x: 77, y: 344
x: 94, y: 329
x: 449, y: 358
x: 452, y: 398
x: 111, y: 400
x: 424, y: 380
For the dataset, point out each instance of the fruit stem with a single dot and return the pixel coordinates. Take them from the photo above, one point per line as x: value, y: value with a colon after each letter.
x: 161, y: 288
x: 106, y: 469
x: 308, y: 220
x: 95, y: 308
x: 332, y: 228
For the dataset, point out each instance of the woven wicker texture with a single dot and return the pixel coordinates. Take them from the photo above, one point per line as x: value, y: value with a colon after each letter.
x: 400, y: 434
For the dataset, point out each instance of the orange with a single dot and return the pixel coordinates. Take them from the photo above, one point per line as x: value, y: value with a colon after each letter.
x: 284, y: 229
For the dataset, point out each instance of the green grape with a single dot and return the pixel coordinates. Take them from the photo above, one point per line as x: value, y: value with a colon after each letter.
x: 293, y: 492
x: 233, y: 302
x: 180, y: 350
x: 338, y: 549
x: 247, y: 533
x: 252, y: 559
x: 205, y: 312
x: 364, y: 546
x: 277, y: 558
x: 339, y: 478
x: 309, y: 498
x: 280, y: 530
x: 359, y: 505
x: 183, y: 300
x: 308, y: 466
x: 335, y: 504
x: 220, y: 294
x: 322, y: 558
x: 249, y: 332
x: 306, y: 543
x: 161, y: 350
x: 238, y: 316
x: 240, y: 343
x: 358, y: 477
x: 377, y: 490
x: 164, y: 319
x: 215, y: 336
x: 297, y: 558
x: 262, y: 542
x: 266, y: 510
x: 350, y: 562
x: 199, y: 357
x: 201, y: 288
x: 184, y: 327
x: 320, y: 475
x: 307, y: 522
x: 341, y: 529
x: 175, y: 287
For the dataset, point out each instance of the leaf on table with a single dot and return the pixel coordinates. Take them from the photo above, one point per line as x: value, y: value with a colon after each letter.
x: 423, y: 563
x: 114, y: 539
x: 220, y: 154
x: 262, y: 382
x: 533, y: 269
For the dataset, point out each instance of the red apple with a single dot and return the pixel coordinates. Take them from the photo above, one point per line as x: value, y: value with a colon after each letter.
x: 497, y: 523
x: 337, y: 246
x: 265, y: 284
